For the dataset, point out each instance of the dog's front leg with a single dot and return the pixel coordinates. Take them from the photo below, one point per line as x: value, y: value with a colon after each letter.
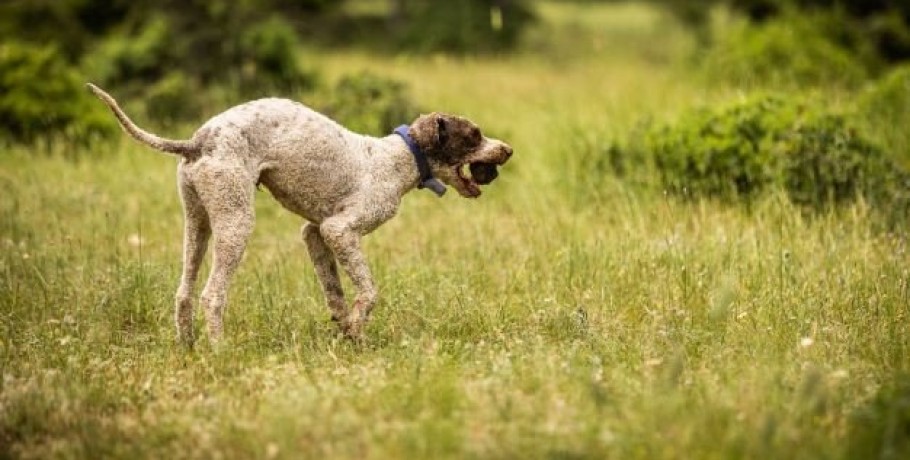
x: 343, y: 237
x: 326, y: 271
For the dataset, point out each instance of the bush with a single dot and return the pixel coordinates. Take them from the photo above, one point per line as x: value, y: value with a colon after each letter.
x: 260, y: 56
x: 767, y: 142
x: 41, y: 97
x: 172, y: 99
x: 143, y: 66
x: 370, y: 104
x: 269, y: 50
x: 792, y: 50
x: 885, y: 109
x: 141, y: 57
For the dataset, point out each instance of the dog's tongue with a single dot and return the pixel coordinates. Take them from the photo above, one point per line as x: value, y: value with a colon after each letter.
x: 483, y: 173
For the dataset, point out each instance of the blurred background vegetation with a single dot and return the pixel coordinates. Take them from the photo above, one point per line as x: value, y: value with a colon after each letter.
x: 154, y: 54
x: 169, y: 48
x: 220, y: 51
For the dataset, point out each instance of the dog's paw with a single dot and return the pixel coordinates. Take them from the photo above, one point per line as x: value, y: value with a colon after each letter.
x: 352, y: 327
x: 186, y: 341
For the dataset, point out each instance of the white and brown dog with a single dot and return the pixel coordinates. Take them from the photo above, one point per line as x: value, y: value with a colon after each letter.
x: 344, y: 184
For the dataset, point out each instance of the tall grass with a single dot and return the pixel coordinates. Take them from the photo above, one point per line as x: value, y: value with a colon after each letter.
x: 543, y: 320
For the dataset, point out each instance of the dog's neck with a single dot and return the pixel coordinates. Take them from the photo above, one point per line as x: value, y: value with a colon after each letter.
x: 423, y: 164
x: 392, y: 164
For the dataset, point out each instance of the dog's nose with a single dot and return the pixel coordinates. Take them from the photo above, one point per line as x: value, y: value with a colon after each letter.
x: 508, y: 150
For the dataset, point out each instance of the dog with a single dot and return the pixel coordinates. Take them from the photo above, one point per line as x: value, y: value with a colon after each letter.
x: 342, y: 183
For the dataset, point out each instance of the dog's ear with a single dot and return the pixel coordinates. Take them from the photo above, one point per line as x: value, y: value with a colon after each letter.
x: 442, y: 131
x: 443, y: 137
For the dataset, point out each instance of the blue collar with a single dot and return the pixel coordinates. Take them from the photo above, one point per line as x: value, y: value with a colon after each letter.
x: 426, y: 176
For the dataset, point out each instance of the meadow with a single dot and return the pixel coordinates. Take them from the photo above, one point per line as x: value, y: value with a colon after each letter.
x: 553, y: 317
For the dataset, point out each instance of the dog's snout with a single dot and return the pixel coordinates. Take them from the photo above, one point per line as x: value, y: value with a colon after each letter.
x: 507, y: 149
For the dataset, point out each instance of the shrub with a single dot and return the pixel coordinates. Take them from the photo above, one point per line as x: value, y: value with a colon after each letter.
x: 260, y: 55
x: 41, y: 97
x: 141, y: 57
x: 269, y: 50
x: 174, y: 98
x: 885, y: 109
x: 765, y: 142
x: 370, y: 104
x: 792, y: 50
x: 143, y: 66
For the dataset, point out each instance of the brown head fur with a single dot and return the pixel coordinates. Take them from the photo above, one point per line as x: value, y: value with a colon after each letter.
x: 450, y: 142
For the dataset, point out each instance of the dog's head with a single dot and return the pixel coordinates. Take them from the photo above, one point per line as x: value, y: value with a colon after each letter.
x: 458, y: 153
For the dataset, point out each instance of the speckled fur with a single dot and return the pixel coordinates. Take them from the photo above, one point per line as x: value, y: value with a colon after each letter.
x: 344, y: 184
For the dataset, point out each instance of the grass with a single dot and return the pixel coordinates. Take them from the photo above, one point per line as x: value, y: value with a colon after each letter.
x: 543, y: 320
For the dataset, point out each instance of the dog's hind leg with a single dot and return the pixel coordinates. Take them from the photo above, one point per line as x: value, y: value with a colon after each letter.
x: 227, y: 193
x: 326, y: 270
x: 195, y: 241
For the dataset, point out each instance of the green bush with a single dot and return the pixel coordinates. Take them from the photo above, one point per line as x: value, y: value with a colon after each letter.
x: 172, y: 99
x: 885, y: 109
x: 41, y: 97
x: 772, y: 142
x: 140, y: 57
x: 176, y: 81
x: 269, y: 53
x: 791, y: 50
x: 370, y: 104
x: 258, y: 56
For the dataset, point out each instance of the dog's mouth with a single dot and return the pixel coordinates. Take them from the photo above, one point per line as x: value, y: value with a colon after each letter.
x: 474, y: 174
x: 481, y: 168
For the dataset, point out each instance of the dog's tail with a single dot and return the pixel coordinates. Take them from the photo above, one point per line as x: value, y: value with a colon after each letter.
x: 179, y: 147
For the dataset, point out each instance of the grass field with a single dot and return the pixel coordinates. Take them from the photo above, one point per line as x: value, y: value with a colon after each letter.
x: 548, y: 319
